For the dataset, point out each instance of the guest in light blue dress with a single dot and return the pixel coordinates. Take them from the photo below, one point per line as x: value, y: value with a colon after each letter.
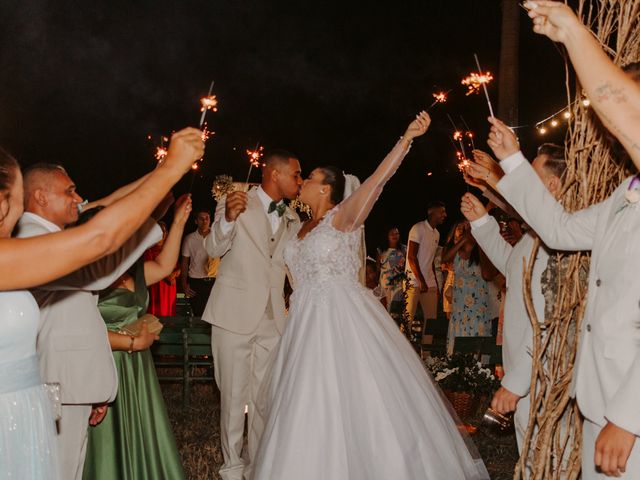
x: 27, y: 428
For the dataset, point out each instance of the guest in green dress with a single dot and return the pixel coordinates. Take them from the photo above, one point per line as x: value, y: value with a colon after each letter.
x: 135, y: 440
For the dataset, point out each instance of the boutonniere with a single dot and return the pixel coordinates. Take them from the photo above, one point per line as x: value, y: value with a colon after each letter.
x: 632, y: 195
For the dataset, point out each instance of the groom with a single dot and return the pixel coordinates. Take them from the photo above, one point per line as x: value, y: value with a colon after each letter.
x: 246, y: 307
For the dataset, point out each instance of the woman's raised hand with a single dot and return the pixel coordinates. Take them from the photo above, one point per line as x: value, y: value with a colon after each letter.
x: 419, y: 126
x: 185, y: 149
x: 556, y: 20
x: 182, y: 209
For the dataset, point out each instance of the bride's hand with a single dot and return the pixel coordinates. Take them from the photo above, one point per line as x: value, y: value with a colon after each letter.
x: 419, y: 126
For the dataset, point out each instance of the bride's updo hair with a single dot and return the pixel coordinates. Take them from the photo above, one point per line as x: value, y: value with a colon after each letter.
x: 8, y: 168
x: 334, y: 177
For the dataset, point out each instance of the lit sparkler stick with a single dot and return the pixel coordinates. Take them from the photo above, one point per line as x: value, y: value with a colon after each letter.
x: 457, y: 136
x: 210, y: 102
x: 439, y: 97
x: 468, y: 133
x: 254, y: 159
x: 484, y: 84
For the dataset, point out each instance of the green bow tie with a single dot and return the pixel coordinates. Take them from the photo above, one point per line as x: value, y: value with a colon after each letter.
x: 279, y: 207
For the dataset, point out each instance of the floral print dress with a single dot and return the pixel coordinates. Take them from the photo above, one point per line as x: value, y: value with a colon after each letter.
x: 471, y: 314
x: 392, y: 262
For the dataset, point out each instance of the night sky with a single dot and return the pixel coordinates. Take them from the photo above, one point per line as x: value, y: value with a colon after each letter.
x: 84, y: 83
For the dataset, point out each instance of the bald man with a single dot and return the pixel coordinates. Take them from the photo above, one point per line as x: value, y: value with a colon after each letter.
x: 73, y: 348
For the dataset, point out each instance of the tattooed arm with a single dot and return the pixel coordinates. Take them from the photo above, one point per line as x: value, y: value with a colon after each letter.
x: 614, y: 95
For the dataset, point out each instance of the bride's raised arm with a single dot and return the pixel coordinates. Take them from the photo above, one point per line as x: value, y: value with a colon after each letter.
x: 354, y: 210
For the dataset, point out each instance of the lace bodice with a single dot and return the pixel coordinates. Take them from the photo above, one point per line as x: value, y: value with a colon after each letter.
x: 324, y: 255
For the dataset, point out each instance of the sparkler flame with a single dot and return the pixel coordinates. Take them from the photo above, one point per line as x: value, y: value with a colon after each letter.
x: 457, y: 135
x: 206, y: 133
x: 475, y: 81
x: 255, y: 156
x: 161, y: 153
x: 439, y: 97
x: 464, y: 163
x: 209, y: 102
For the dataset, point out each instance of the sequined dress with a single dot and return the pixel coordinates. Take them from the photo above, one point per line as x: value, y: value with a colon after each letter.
x: 348, y: 398
x: 27, y: 428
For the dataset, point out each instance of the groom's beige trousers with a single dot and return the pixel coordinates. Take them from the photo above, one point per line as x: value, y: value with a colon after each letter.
x: 240, y: 362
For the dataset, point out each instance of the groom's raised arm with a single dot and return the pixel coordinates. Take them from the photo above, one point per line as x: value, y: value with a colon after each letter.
x: 219, y: 241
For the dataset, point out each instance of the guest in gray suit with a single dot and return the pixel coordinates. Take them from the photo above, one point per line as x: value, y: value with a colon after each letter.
x: 72, y: 344
x: 513, y: 395
x: 606, y: 379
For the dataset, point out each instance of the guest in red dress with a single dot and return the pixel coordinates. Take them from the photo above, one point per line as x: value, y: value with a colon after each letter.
x: 162, y: 295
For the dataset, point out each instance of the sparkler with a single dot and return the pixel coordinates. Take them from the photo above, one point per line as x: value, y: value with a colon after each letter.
x: 468, y: 133
x: 161, y: 153
x: 254, y: 159
x: 439, y: 97
x: 476, y: 80
x: 210, y: 102
x: 161, y: 150
x: 488, y: 77
x: 457, y: 136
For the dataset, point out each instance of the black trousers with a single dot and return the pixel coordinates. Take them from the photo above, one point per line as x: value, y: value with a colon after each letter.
x: 202, y: 287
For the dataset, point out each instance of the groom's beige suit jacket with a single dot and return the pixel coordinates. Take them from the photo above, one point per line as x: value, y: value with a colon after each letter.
x: 251, y: 275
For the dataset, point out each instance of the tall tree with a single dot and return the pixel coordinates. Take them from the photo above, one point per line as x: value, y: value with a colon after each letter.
x: 508, y: 75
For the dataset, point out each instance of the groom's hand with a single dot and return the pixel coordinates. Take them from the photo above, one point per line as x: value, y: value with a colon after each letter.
x: 236, y: 204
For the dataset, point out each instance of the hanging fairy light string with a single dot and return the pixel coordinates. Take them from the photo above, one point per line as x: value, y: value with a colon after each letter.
x: 556, y: 119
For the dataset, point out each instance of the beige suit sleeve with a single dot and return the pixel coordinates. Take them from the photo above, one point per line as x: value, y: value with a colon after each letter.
x: 558, y: 229
x: 219, y: 240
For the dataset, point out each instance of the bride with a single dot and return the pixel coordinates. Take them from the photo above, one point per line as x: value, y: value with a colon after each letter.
x: 348, y: 398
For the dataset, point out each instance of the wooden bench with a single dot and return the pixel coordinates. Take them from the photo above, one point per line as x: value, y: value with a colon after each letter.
x: 185, y: 347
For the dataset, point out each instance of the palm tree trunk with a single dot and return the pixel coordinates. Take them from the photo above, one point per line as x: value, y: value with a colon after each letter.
x: 508, y: 75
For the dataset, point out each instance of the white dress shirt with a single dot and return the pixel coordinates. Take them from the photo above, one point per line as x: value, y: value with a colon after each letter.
x: 273, y: 217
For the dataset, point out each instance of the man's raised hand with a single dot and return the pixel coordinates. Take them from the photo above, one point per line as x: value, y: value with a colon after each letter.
x: 235, y: 204
x: 471, y: 207
x: 502, y: 140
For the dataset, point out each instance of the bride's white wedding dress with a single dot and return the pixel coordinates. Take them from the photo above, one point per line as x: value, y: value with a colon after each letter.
x: 348, y: 397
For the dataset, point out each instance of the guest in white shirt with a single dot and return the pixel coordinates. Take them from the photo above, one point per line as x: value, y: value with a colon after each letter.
x: 422, y: 286
x: 194, y: 265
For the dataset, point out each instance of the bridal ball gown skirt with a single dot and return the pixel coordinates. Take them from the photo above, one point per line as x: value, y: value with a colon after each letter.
x: 348, y: 398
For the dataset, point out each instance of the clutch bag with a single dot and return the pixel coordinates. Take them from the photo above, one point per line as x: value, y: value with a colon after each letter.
x: 134, y: 328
